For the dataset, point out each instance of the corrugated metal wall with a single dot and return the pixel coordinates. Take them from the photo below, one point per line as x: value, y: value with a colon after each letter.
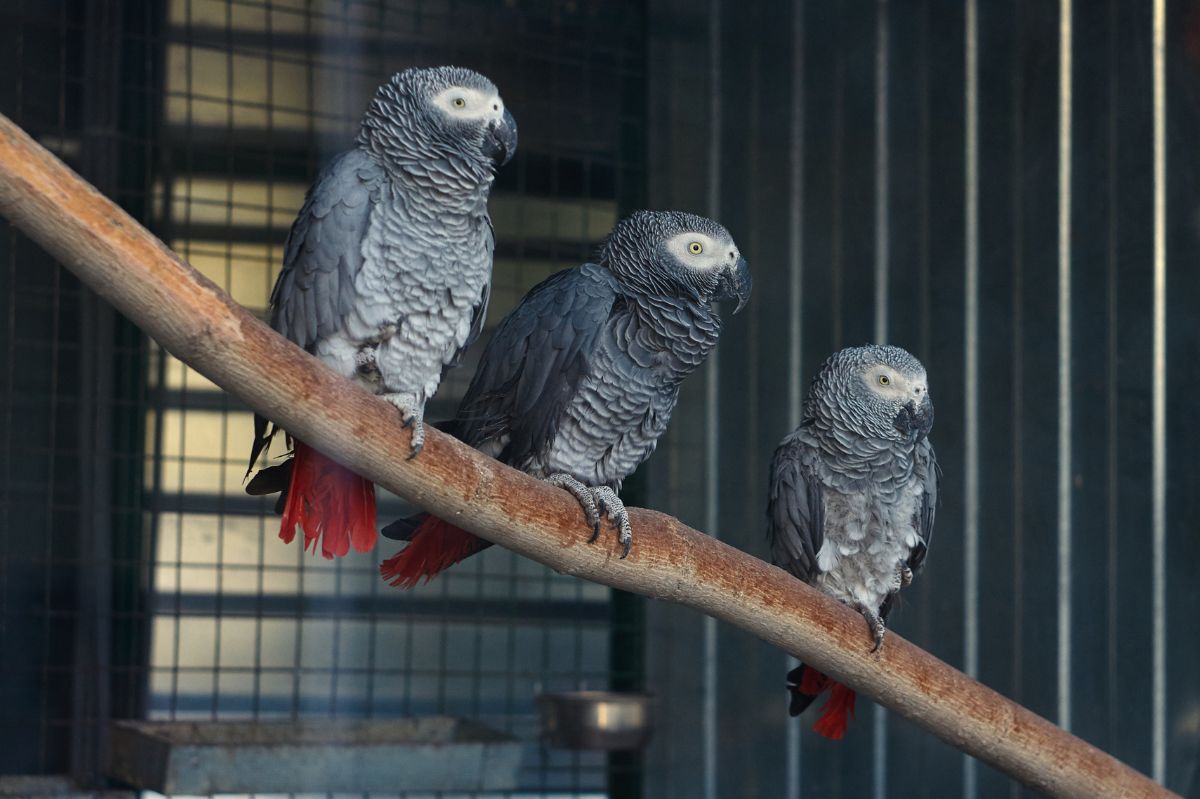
x: 1009, y: 190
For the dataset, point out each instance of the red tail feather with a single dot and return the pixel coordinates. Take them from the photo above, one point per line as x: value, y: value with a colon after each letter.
x: 435, y: 545
x: 327, y: 501
x: 837, y: 712
x: 813, y: 682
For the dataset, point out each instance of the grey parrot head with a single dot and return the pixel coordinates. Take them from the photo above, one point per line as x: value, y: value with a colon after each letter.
x: 675, y: 254
x: 876, y: 392
x: 445, y: 115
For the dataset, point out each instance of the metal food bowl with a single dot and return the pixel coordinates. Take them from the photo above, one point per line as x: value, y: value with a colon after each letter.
x: 603, y: 720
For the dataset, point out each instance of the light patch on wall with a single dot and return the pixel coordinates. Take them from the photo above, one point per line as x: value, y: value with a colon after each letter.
x: 277, y: 16
x: 246, y: 271
x: 191, y: 449
x: 545, y: 218
x: 229, y: 203
x: 212, y: 88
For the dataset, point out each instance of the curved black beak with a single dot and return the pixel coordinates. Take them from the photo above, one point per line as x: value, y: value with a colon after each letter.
x: 736, y: 283
x: 915, y: 420
x: 500, y: 142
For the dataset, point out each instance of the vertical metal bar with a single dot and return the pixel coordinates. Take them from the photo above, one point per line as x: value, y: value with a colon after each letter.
x: 924, y: 194
x: 882, y: 257
x: 1017, y: 419
x: 835, y: 233
x: 10, y: 355
x: 711, y: 409
x: 99, y: 162
x: 1064, y: 365
x: 1159, y: 400
x: 971, y: 371
x: 796, y: 224
x: 792, y: 754
x: 1112, y: 468
x: 1016, y: 583
x: 51, y: 556
x: 882, y: 237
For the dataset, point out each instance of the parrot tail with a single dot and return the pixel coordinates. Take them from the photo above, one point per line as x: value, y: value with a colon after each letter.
x: 328, y: 502
x: 433, y: 546
x: 806, y: 684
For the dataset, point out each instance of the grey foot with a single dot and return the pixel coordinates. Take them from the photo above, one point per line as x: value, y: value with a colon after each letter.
x: 612, y: 507
x: 906, y: 577
x: 412, y: 416
x: 597, y: 501
x: 875, y: 623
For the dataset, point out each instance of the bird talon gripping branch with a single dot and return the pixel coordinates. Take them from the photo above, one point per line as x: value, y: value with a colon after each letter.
x: 626, y: 540
x: 874, y: 624
x: 579, y: 381
x: 417, y: 442
x: 614, y: 509
x: 412, y: 418
x: 584, y: 496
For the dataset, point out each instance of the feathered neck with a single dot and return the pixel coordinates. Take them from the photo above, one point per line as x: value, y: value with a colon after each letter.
x: 682, y: 332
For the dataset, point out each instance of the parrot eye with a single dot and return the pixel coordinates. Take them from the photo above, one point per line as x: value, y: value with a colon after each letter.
x: 884, y: 380
x: 459, y: 102
x: 695, y: 248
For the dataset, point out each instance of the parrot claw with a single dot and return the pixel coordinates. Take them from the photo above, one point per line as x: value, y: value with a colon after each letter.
x: 614, y: 509
x: 596, y: 502
x: 906, y: 577
x: 418, y: 437
x: 875, y: 623
x: 583, y: 495
x: 411, y: 416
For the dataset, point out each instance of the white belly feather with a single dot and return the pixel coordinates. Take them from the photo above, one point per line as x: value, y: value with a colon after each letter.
x: 867, y: 542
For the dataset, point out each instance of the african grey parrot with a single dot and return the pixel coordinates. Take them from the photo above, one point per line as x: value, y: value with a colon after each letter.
x: 579, y: 381
x: 853, y: 492
x: 386, y: 275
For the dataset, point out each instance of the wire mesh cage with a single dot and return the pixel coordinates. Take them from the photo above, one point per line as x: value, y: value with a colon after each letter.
x: 208, y: 120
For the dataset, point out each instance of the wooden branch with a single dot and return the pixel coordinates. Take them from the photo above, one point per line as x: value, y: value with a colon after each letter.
x: 200, y: 324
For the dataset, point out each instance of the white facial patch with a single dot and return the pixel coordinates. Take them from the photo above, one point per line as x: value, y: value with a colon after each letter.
x: 887, y: 382
x: 460, y: 102
x: 701, y: 251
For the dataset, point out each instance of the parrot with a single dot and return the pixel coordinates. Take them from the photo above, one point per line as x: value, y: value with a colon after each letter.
x: 579, y: 380
x: 386, y: 277
x: 853, y: 493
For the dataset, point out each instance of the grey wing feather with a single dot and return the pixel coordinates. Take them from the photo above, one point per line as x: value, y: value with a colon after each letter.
x: 321, y: 259
x: 796, y: 509
x: 931, y: 479
x: 535, y: 361
x: 323, y: 254
x: 479, y: 313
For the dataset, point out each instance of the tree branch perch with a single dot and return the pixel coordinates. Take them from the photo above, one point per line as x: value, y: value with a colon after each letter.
x: 196, y: 321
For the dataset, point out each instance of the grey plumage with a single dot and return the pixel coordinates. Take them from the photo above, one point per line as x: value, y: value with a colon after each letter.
x: 580, y: 380
x: 387, y: 268
x: 853, y: 490
x: 582, y: 377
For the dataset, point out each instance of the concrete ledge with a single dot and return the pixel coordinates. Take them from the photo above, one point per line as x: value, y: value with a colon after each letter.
x: 435, y: 753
